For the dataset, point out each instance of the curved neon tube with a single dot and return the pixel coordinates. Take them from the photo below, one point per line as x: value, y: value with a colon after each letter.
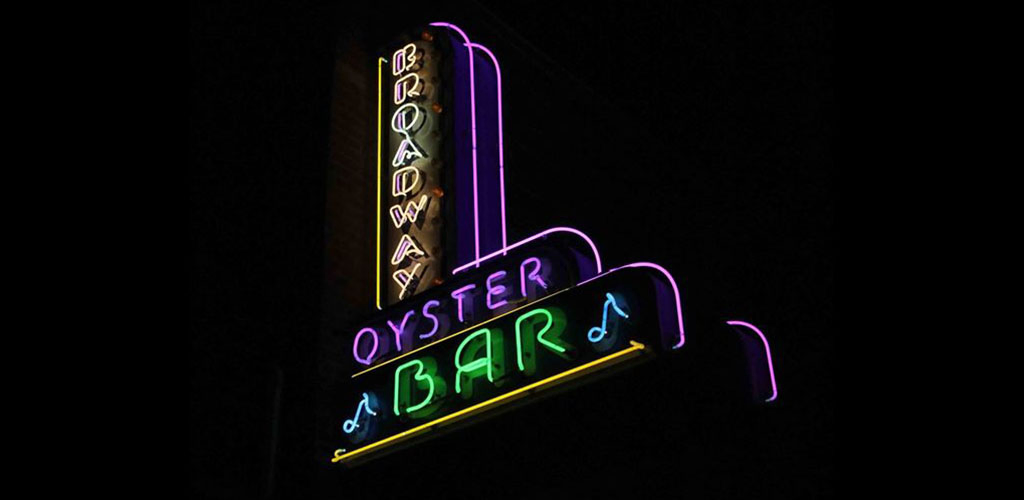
x: 407, y: 59
x: 675, y: 289
x: 603, y: 329
x: 350, y: 425
x: 472, y: 130
x: 495, y: 290
x: 767, y: 351
x: 416, y: 377
x: 503, y: 251
x: 501, y: 141
x: 532, y: 276
x: 355, y: 346
x: 671, y: 280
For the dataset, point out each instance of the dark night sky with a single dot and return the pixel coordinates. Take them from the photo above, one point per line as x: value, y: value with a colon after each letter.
x: 700, y: 134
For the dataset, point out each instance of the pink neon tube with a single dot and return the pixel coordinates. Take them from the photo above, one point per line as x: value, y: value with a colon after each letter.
x: 503, y: 251
x: 472, y: 130
x: 767, y: 351
x: 501, y: 142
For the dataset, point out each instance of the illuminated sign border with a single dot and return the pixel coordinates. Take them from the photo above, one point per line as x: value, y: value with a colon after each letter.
x: 635, y: 349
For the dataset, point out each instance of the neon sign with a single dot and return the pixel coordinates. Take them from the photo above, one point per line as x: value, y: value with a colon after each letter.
x: 474, y: 322
x: 412, y: 147
x: 542, y: 344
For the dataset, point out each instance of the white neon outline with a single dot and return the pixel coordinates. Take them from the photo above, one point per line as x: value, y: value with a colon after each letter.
x: 767, y: 351
x: 406, y: 247
x: 503, y: 251
x: 405, y: 90
x: 406, y: 188
x: 409, y: 275
x: 404, y: 127
x: 409, y: 214
x: 407, y: 150
x: 407, y: 60
x: 402, y: 153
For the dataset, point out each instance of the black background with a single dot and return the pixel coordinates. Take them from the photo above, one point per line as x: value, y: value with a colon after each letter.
x: 696, y: 135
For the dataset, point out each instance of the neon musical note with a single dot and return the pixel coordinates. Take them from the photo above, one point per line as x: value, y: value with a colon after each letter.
x: 353, y: 424
x: 603, y: 329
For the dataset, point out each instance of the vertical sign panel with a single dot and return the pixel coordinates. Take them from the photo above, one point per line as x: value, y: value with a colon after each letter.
x: 411, y: 252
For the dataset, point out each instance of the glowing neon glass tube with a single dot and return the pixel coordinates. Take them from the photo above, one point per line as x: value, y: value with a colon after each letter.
x: 767, y: 352
x: 472, y: 128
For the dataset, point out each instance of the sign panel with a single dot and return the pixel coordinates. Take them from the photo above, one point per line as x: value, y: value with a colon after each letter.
x: 440, y: 160
x: 472, y: 323
x: 605, y: 322
x: 411, y: 164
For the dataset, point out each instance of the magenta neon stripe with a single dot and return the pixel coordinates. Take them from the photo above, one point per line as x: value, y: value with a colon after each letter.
x: 476, y: 263
x: 768, y: 353
x: 472, y: 131
x: 501, y: 142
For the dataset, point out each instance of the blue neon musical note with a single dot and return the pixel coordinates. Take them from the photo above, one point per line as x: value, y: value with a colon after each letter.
x: 353, y: 424
x: 603, y: 329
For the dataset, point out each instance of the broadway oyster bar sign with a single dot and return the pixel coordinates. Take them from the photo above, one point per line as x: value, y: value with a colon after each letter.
x: 467, y: 321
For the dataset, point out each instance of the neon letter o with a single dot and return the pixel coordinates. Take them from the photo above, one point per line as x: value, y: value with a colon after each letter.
x: 355, y: 346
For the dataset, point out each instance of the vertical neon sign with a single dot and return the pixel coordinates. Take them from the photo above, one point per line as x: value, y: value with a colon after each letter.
x: 410, y: 253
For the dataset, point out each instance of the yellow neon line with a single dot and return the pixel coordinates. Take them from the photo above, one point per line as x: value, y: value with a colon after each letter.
x: 636, y: 346
x: 379, y: 93
x: 474, y: 327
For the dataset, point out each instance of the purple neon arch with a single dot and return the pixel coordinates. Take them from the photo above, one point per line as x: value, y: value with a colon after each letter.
x: 767, y: 351
x: 675, y: 289
x: 472, y: 131
x: 503, y: 251
x: 501, y: 142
